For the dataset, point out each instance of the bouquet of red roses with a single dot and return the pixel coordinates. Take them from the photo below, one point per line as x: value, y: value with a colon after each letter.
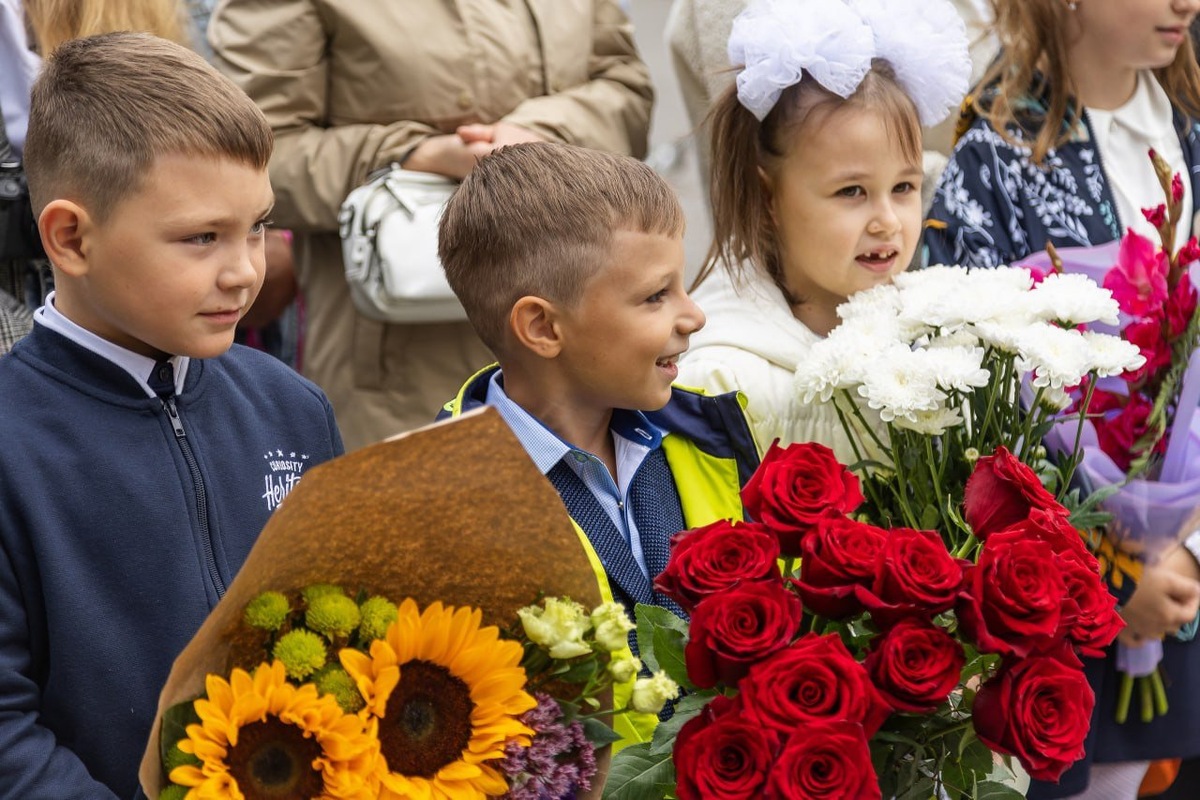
x: 830, y: 657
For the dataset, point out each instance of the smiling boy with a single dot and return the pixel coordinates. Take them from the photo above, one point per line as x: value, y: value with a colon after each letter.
x: 142, y: 455
x: 569, y: 263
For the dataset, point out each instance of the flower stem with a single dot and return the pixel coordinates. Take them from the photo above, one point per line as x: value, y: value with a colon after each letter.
x: 1124, y: 695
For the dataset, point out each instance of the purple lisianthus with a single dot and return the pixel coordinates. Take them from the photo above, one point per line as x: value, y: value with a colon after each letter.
x: 559, y: 762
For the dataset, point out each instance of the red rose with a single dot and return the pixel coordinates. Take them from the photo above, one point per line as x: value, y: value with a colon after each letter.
x: 837, y: 556
x: 1001, y: 492
x: 796, y: 487
x: 1038, y: 709
x: 735, y: 629
x: 916, y: 577
x: 1013, y: 599
x: 816, y: 679
x: 915, y: 665
x: 1055, y: 530
x: 1090, y: 614
x: 715, y: 557
x: 719, y: 754
x: 825, y: 759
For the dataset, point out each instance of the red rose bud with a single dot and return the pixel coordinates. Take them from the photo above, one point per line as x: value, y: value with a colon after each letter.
x: 795, y: 488
x: 1039, y: 710
x: 816, y: 679
x: 1001, y: 492
x: 915, y: 665
x: 1176, y: 188
x: 1156, y: 216
x: 1089, y: 614
x: 1013, y: 599
x: 839, y: 555
x: 824, y: 760
x: 721, y: 755
x: 916, y: 577
x: 713, y: 558
x: 733, y: 630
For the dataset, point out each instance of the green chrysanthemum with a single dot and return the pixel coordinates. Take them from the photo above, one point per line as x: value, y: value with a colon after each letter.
x: 311, y: 593
x: 377, y: 613
x: 173, y: 792
x: 267, y: 611
x: 302, y: 653
x: 177, y: 758
x: 332, y: 615
x: 336, y: 681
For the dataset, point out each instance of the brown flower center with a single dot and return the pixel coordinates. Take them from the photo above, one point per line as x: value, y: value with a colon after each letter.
x: 427, y: 723
x: 274, y: 761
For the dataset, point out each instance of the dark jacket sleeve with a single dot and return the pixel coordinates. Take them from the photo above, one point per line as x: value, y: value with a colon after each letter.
x: 32, y: 763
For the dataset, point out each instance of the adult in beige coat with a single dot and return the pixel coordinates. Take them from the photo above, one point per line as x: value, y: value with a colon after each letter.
x: 350, y: 86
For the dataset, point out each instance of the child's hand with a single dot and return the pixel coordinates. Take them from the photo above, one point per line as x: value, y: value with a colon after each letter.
x: 1166, y: 599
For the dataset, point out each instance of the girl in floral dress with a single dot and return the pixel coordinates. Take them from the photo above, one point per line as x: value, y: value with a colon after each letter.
x: 816, y: 187
x: 1054, y: 149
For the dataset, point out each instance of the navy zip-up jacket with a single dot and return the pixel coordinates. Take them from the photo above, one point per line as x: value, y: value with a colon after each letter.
x: 118, y: 535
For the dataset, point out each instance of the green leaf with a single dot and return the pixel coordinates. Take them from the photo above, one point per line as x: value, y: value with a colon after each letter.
x: 686, y: 709
x: 579, y: 673
x: 990, y: 790
x: 174, y: 727
x: 661, y: 636
x: 598, y: 733
x: 635, y: 774
x: 921, y: 789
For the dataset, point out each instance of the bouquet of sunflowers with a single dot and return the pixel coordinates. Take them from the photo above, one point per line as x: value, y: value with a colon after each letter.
x: 355, y: 657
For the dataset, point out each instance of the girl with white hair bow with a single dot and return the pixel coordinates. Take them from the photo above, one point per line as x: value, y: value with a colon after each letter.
x: 815, y: 189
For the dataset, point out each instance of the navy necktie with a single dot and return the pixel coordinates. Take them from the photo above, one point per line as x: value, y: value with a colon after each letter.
x: 657, y: 513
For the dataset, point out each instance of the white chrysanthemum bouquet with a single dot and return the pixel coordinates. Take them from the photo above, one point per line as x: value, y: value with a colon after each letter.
x: 947, y: 364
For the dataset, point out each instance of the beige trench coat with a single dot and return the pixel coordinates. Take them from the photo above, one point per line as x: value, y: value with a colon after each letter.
x: 350, y: 86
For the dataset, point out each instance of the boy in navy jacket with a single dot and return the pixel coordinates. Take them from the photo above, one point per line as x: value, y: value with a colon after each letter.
x: 141, y: 455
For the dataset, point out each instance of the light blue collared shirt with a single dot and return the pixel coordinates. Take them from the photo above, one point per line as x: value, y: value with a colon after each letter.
x: 137, y: 365
x: 633, y: 436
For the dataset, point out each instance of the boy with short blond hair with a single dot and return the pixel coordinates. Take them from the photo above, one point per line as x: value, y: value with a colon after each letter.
x: 569, y: 263
x: 141, y: 454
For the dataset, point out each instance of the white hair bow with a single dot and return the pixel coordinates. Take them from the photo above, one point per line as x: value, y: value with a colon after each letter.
x: 778, y: 42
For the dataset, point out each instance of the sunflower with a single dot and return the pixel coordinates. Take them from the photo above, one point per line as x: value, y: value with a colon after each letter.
x: 261, y: 738
x: 446, y: 694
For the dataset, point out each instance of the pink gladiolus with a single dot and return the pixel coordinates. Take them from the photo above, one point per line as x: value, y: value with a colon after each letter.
x: 1156, y: 216
x: 1138, y: 282
x: 1176, y: 189
x: 1189, y: 253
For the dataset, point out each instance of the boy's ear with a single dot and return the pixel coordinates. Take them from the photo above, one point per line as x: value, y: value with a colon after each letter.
x: 533, y: 322
x: 63, y: 226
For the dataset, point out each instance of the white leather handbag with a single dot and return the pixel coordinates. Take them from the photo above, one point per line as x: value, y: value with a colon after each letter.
x: 389, y: 229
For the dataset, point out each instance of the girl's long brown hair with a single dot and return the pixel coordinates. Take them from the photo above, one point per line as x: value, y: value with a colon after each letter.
x: 55, y: 21
x: 1033, y: 38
